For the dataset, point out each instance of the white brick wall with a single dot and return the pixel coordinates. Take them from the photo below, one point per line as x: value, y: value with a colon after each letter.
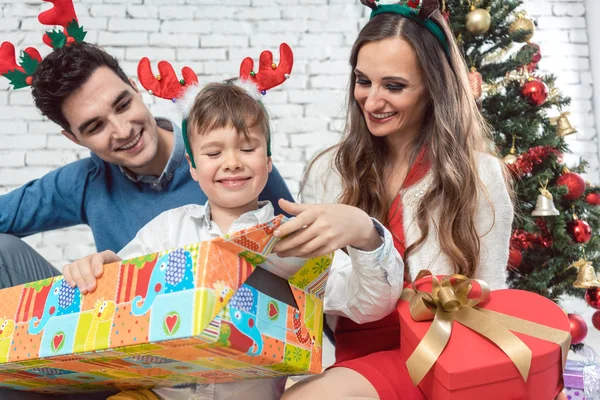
x: 213, y: 37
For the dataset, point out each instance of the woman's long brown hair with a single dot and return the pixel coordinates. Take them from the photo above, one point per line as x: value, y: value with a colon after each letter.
x: 454, y: 132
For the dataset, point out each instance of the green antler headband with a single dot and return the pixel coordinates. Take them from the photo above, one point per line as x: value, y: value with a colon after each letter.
x: 412, y: 9
x: 63, y: 14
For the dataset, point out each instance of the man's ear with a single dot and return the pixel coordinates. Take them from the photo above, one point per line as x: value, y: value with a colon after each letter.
x: 192, y: 169
x: 71, y: 136
x: 269, y: 164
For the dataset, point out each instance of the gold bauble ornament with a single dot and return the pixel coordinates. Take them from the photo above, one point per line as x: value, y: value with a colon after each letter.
x: 510, y: 159
x: 522, y: 23
x: 478, y: 21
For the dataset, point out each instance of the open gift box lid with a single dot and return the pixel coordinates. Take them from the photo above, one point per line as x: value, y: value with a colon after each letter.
x: 254, y: 245
x: 470, y: 359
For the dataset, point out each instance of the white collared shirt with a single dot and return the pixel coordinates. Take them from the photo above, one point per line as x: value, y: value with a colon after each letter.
x: 362, y: 285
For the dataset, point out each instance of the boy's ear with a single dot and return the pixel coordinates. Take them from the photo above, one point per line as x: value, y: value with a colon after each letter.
x: 71, y: 136
x: 269, y: 164
x: 192, y: 169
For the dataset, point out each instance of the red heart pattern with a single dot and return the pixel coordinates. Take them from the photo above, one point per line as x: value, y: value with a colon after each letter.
x: 273, y: 311
x: 171, y: 321
x: 57, y: 340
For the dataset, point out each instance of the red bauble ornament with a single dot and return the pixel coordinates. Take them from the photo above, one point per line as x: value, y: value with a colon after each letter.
x: 574, y: 183
x: 535, y: 91
x: 593, y: 199
x: 596, y: 320
x: 537, y: 56
x: 592, y: 297
x: 515, y: 258
x: 580, y: 230
x: 579, y: 328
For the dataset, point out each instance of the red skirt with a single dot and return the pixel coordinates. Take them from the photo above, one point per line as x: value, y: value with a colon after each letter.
x: 373, y: 350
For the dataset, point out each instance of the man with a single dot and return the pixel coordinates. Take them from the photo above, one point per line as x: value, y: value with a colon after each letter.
x: 137, y: 167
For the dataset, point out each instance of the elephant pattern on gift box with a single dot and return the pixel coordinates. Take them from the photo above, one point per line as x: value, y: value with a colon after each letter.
x: 62, y: 299
x: 173, y: 272
x: 242, y: 313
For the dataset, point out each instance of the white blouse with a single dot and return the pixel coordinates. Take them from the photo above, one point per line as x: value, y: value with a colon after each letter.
x: 322, y: 184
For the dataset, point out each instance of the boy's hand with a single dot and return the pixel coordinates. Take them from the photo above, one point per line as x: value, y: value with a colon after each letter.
x: 83, y: 273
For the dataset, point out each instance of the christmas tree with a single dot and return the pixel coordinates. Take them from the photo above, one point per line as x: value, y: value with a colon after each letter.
x: 553, y: 250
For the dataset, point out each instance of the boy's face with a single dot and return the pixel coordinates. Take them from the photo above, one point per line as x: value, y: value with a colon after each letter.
x: 231, y: 169
x: 108, y: 116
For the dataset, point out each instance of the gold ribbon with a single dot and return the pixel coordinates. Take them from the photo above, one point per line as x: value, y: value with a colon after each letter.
x: 448, y: 302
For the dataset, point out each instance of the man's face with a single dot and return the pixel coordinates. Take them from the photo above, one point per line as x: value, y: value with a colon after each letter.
x: 108, y: 116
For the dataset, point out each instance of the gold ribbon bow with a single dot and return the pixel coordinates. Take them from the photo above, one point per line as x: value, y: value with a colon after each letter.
x: 449, y: 301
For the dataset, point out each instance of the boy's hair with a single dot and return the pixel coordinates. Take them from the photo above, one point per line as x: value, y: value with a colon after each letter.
x: 64, y: 71
x: 220, y: 105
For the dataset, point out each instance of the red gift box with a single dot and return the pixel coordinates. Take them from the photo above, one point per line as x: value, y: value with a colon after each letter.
x: 472, y: 367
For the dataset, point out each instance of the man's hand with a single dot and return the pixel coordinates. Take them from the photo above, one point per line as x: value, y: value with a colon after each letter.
x: 83, y: 273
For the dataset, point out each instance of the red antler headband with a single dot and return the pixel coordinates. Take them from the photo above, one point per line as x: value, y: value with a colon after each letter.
x: 167, y: 86
x: 269, y: 74
x: 62, y: 13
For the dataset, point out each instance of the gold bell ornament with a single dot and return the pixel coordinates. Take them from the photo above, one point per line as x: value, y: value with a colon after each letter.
x: 586, y: 276
x: 544, y: 206
x: 563, y: 126
x: 511, y: 157
x: 522, y: 23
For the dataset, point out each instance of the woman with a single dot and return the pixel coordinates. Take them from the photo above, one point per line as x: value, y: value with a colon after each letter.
x: 416, y: 156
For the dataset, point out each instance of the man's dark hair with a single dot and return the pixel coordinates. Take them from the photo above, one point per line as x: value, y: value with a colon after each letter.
x: 65, y: 70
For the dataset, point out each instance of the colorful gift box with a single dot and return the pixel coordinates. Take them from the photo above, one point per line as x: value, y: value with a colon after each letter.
x: 198, y: 314
x: 471, y: 365
x: 582, y: 375
x: 573, y: 374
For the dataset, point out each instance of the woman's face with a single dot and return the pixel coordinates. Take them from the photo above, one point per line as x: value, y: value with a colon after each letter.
x: 390, y: 89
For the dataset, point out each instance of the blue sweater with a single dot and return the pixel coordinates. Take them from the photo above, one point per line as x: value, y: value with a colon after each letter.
x: 115, y: 206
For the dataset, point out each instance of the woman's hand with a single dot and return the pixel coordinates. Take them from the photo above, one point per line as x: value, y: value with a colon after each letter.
x: 320, y: 229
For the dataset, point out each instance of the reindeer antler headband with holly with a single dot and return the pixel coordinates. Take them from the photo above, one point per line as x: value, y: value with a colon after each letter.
x: 167, y: 86
x: 419, y: 11
x: 63, y: 14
